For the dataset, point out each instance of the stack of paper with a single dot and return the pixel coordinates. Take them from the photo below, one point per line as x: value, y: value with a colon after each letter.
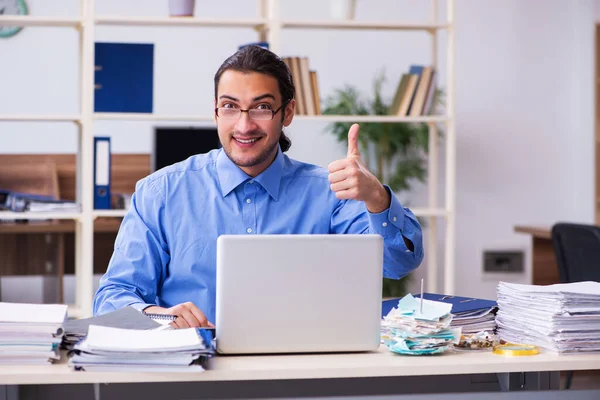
x: 561, y: 318
x: 31, y: 333
x: 414, y: 329
x: 116, y: 349
x: 126, y: 318
x: 471, y: 314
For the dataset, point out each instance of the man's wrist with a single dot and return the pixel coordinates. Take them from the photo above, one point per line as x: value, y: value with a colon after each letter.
x: 381, y: 201
x: 154, y: 310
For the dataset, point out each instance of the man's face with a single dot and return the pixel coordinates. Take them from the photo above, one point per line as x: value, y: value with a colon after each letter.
x: 250, y: 144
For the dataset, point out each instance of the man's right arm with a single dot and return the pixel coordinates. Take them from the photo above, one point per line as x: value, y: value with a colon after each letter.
x: 136, y: 267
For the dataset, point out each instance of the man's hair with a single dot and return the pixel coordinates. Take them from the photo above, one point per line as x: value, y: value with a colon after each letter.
x: 257, y: 59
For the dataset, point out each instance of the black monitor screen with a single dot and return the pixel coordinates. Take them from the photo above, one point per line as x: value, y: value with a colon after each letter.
x: 172, y: 145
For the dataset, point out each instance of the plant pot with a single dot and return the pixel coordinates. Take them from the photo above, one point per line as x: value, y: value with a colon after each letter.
x: 343, y: 9
x: 181, y: 8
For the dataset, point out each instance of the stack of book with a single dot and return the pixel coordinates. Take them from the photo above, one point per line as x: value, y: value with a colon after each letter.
x: 415, y: 93
x: 31, y: 333
x: 116, y: 349
x: 419, y: 327
x: 561, y: 318
x: 306, y: 84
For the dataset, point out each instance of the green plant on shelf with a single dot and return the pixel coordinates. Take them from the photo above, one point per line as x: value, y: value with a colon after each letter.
x: 396, y: 152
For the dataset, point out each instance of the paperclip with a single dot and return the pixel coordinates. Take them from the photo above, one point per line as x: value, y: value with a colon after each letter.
x: 466, y: 301
x: 446, y: 297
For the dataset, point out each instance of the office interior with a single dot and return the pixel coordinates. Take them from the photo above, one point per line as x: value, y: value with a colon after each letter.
x: 515, y: 153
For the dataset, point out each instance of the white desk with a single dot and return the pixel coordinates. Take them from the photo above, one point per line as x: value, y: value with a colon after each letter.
x: 318, y: 367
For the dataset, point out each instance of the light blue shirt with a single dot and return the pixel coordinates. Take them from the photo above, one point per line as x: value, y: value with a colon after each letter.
x: 165, y: 251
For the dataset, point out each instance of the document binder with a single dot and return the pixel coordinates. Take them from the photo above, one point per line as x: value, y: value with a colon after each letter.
x: 459, y: 304
x: 124, y: 77
x: 102, y: 173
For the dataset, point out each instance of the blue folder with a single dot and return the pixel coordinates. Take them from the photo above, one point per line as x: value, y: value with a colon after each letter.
x: 459, y: 304
x: 124, y: 77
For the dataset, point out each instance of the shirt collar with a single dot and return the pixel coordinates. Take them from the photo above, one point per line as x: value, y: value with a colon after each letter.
x: 231, y: 176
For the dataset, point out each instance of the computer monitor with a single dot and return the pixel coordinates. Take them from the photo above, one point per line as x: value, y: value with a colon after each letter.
x: 174, y: 144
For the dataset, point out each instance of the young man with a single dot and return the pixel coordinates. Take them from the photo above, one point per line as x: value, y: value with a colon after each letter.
x: 165, y: 253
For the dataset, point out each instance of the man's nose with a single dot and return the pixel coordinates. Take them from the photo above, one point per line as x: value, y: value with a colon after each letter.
x: 245, y: 123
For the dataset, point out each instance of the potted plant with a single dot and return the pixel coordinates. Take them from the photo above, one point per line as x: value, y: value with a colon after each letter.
x: 395, y: 152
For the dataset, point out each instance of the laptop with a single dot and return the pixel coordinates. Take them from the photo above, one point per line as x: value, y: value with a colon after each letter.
x: 298, y: 293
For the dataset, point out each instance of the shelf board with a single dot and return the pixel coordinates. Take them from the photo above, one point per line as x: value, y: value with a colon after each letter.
x: 327, y: 24
x: 19, y: 20
x: 41, y: 118
x: 430, y: 212
x: 180, y: 21
x: 9, y: 215
x: 101, y: 225
x: 109, y: 213
x: 371, y: 118
x: 150, y: 117
x: 323, y: 118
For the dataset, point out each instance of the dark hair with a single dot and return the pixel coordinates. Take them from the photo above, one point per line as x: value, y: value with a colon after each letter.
x: 257, y: 59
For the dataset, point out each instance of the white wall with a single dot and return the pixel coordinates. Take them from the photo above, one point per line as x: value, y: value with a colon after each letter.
x: 524, y: 101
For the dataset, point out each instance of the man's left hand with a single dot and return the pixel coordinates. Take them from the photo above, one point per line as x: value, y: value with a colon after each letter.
x: 351, y: 179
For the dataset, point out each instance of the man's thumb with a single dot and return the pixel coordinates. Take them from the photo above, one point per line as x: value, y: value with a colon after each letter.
x: 353, y: 150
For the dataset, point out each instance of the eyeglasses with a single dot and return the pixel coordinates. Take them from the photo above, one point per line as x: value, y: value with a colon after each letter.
x: 254, y: 113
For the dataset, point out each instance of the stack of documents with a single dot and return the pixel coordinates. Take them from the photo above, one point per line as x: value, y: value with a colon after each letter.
x: 419, y: 327
x: 561, y: 318
x: 126, y: 318
x: 31, y: 333
x: 470, y: 314
x: 116, y: 349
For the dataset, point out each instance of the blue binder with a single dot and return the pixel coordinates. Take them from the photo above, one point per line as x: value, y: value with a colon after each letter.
x: 459, y: 304
x: 124, y: 77
x: 102, y: 166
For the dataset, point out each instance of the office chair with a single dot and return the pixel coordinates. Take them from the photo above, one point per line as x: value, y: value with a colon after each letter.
x: 577, y: 251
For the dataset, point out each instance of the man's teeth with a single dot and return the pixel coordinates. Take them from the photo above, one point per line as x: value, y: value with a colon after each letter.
x: 246, y: 141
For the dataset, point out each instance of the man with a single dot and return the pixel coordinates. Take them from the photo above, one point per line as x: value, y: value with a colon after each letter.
x: 165, y: 253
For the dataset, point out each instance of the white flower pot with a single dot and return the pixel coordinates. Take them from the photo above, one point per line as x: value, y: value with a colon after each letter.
x: 181, y: 8
x: 343, y: 9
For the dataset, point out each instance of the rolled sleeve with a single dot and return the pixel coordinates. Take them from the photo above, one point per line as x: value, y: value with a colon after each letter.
x: 136, y: 268
x: 393, y: 224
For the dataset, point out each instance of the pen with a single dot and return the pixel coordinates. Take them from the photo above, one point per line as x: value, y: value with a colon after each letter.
x: 421, y: 295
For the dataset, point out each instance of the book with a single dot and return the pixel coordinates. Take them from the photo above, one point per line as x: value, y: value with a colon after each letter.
x: 421, y: 91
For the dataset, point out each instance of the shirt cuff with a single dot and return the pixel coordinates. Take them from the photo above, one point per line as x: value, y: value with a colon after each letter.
x: 141, y: 306
x: 388, y: 222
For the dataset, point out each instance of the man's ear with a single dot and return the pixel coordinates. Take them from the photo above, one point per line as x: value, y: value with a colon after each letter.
x: 214, y: 111
x: 290, y: 108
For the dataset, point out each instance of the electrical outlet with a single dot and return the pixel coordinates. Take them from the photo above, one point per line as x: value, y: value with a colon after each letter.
x: 502, y: 261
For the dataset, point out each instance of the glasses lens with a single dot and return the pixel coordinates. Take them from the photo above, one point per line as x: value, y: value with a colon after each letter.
x: 260, y: 114
x: 228, y: 113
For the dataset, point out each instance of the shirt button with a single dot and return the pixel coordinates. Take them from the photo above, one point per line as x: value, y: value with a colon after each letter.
x: 248, y: 201
x: 384, y: 224
x: 394, y: 219
x: 249, y: 230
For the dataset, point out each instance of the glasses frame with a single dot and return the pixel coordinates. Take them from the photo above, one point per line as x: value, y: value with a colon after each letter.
x: 273, y: 112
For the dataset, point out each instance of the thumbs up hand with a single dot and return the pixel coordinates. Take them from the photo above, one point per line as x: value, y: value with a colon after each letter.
x: 350, y: 178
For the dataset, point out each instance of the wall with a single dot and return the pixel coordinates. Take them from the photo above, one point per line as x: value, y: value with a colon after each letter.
x: 524, y: 83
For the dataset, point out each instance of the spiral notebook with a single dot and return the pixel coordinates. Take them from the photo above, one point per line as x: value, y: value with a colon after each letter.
x: 163, y: 319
